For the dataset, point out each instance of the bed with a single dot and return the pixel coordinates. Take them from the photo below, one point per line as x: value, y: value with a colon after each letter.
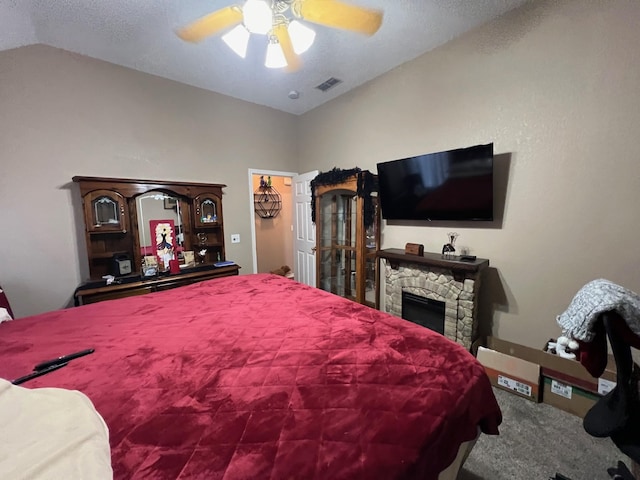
x: 259, y: 376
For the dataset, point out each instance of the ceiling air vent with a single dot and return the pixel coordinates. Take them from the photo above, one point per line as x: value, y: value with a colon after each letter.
x: 330, y: 83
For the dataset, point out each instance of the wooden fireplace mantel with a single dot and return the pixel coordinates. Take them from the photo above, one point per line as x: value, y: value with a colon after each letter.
x: 396, y: 255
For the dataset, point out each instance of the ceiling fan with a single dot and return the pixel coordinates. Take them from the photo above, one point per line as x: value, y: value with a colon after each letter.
x: 279, y: 21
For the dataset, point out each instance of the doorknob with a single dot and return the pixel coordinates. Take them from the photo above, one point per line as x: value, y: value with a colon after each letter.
x: 313, y: 249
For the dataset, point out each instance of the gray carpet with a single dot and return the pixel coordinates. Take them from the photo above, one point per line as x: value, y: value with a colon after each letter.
x: 535, y: 442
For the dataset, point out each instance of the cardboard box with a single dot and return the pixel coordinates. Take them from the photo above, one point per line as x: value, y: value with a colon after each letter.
x: 557, y: 381
x: 566, y: 397
x: 567, y: 385
x: 507, y: 369
x: 571, y: 372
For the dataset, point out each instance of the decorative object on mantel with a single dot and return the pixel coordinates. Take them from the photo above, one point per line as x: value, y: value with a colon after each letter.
x: 267, y: 201
x: 448, y: 249
x: 414, y: 249
x: 367, y: 184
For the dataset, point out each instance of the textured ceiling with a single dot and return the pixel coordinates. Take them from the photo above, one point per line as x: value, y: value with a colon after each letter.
x: 140, y: 34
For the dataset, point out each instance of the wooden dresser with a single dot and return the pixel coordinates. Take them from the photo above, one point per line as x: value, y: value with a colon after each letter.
x: 92, y: 292
x: 127, y: 221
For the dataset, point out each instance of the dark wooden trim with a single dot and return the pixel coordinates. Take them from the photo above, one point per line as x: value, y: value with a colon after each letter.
x: 397, y: 255
x: 160, y: 183
x: 131, y: 188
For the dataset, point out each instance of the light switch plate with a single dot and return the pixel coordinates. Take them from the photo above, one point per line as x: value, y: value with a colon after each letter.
x: 235, y: 238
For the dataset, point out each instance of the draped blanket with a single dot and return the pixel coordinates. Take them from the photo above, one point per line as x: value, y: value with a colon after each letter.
x: 582, y: 321
x: 258, y: 376
x: 593, y: 299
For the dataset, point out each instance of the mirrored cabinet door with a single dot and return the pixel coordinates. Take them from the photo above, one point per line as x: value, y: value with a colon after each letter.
x: 106, y: 210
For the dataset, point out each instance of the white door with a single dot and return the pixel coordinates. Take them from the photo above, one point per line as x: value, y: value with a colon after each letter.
x: 304, y: 230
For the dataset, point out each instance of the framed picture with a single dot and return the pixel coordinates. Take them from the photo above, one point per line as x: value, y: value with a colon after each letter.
x: 170, y: 203
x: 189, y: 258
x: 149, y: 266
x: 150, y: 261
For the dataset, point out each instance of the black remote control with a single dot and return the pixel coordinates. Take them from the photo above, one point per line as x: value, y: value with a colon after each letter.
x: 467, y: 258
x: 63, y: 359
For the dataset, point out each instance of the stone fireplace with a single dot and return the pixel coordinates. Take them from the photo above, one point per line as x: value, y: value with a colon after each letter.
x: 452, y: 282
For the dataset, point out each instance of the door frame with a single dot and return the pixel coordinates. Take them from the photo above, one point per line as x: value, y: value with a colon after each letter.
x: 252, y: 172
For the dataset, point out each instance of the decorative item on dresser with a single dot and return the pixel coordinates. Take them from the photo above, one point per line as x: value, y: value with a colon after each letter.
x: 345, y: 211
x: 144, y: 220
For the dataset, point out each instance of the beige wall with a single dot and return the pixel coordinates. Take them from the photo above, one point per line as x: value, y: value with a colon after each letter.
x: 62, y: 115
x: 556, y: 86
x: 274, y: 237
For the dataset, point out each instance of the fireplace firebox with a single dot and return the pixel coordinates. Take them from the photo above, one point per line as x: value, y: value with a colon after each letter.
x: 423, y: 311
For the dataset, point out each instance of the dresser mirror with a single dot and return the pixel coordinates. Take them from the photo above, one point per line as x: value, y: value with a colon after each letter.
x: 159, y: 224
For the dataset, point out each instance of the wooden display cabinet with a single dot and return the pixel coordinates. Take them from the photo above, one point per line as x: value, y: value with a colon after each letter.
x: 346, y: 262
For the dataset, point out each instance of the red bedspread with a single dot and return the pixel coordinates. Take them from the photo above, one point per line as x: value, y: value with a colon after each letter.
x: 258, y: 376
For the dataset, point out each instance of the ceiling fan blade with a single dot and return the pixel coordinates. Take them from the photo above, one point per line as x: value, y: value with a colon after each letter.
x: 334, y: 13
x: 211, y: 24
x: 293, y: 60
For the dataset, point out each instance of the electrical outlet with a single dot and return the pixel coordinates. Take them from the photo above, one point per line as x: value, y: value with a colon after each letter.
x: 235, y: 238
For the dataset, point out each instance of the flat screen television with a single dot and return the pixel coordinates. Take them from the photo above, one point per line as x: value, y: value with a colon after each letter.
x: 452, y: 185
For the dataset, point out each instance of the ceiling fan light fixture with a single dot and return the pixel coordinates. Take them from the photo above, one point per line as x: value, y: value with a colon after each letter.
x: 238, y: 40
x: 275, y: 55
x: 287, y: 37
x: 258, y: 17
x: 302, y: 37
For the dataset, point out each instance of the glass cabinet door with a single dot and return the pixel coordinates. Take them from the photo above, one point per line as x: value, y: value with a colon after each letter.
x: 337, y: 235
x: 372, y: 243
x: 207, y: 210
x: 106, y: 210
